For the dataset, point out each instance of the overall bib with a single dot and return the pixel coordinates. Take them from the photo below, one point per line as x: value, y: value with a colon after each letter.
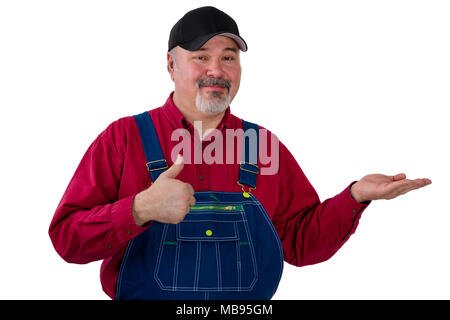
x: 226, y: 248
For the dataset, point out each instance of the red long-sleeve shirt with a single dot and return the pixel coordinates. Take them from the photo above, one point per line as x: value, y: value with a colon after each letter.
x: 94, y: 219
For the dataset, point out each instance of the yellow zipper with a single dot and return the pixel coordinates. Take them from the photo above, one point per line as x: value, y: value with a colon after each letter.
x: 216, y: 207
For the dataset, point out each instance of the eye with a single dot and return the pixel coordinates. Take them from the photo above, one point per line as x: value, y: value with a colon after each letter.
x: 228, y: 58
x: 201, y: 58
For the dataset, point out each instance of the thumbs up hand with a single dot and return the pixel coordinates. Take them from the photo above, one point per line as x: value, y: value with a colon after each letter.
x: 167, y: 200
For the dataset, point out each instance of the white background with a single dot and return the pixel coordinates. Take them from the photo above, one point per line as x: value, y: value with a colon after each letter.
x: 351, y: 88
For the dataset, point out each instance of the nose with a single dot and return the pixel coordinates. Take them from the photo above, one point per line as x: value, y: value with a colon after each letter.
x: 214, y: 69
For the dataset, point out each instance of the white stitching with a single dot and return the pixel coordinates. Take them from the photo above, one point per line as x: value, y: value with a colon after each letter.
x: 254, y: 202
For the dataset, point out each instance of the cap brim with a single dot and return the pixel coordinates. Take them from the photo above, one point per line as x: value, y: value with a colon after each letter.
x: 197, y: 43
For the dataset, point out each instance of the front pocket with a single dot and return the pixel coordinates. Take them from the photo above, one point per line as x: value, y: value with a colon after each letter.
x: 210, y: 250
x: 207, y: 230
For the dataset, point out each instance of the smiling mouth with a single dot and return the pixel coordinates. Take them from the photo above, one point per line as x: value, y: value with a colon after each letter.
x: 214, y: 84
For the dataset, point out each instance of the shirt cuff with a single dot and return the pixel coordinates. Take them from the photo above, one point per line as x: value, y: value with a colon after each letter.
x: 123, y: 222
x: 347, y: 204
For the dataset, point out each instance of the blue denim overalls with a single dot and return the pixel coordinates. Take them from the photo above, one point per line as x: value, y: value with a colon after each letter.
x: 225, y: 248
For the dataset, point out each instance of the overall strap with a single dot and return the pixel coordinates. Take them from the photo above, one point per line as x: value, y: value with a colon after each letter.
x: 156, y: 164
x: 248, y: 168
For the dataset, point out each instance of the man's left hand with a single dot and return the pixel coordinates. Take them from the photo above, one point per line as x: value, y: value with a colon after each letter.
x: 380, y: 186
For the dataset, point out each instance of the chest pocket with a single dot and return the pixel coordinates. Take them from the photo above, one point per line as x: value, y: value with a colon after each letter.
x: 207, y: 231
x: 210, y: 250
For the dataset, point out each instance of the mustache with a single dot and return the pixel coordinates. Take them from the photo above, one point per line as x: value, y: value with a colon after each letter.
x: 213, y: 82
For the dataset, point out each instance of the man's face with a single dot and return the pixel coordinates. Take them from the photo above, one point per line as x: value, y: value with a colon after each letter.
x: 209, y: 77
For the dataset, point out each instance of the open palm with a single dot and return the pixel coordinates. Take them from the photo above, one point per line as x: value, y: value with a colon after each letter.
x: 380, y: 186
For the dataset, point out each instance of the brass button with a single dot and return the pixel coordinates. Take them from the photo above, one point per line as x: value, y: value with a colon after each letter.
x: 208, y: 233
x: 128, y: 231
x: 109, y: 246
x: 353, y: 210
x: 200, y: 177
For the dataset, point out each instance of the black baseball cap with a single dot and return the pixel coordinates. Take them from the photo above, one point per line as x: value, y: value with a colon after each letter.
x: 197, y: 26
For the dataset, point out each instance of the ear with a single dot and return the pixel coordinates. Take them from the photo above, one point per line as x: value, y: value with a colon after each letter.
x: 170, y: 62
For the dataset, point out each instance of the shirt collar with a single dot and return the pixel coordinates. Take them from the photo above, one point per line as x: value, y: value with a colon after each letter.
x: 177, y: 119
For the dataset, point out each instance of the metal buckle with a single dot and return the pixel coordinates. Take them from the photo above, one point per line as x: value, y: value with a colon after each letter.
x: 243, y: 189
x: 243, y: 162
x: 154, y: 169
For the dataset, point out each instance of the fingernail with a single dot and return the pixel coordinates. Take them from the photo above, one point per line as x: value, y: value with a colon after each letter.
x: 179, y: 159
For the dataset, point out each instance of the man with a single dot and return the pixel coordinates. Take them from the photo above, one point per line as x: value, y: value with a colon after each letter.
x: 173, y: 220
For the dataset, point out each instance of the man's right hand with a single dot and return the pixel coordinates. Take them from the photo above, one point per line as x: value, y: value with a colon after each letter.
x: 167, y: 200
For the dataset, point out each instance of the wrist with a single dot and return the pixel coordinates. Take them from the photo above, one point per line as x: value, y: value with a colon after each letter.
x: 137, y: 210
x: 355, y: 193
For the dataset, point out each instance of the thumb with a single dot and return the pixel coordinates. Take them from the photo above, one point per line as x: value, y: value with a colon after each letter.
x: 175, y: 169
x: 398, y: 177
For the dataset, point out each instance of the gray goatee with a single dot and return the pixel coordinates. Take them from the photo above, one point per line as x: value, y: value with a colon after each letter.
x: 217, y: 101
